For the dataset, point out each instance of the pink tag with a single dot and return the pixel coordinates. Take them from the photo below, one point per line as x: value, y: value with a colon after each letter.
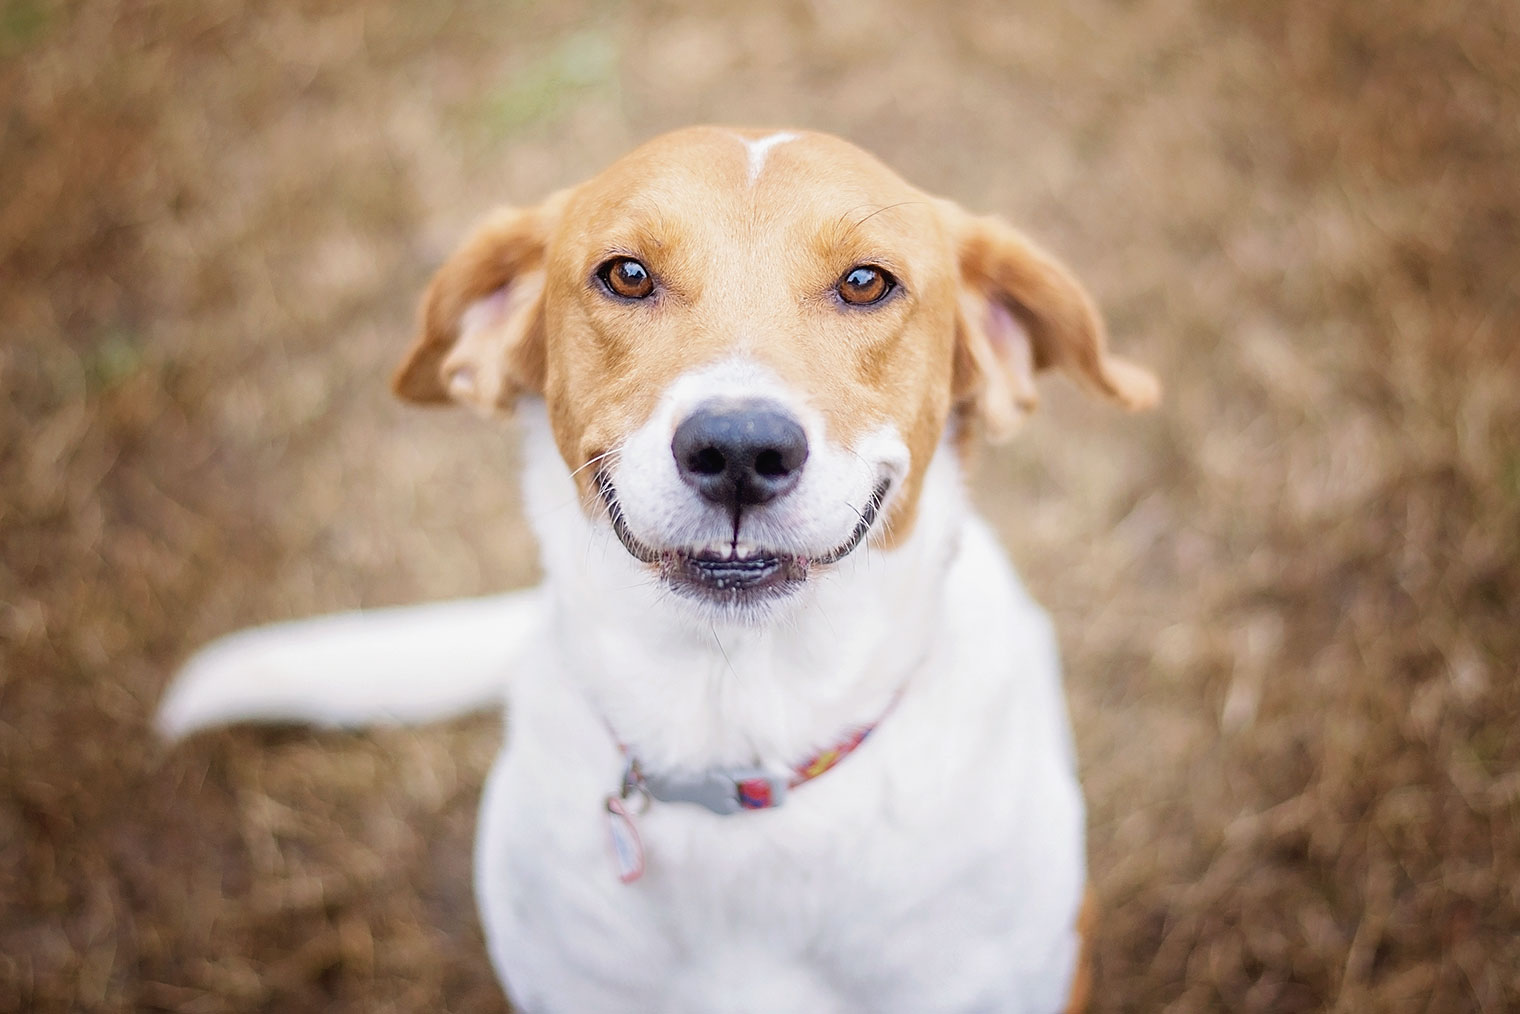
x: 627, y: 848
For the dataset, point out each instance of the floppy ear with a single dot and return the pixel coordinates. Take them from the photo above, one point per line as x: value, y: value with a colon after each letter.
x: 481, y: 330
x: 1021, y: 311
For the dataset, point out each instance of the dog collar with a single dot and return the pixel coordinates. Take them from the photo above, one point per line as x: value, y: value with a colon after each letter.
x: 729, y: 790
x: 722, y: 790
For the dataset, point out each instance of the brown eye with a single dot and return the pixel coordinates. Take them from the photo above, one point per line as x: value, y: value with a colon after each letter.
x: 626, y: 277
x: 864, y: 284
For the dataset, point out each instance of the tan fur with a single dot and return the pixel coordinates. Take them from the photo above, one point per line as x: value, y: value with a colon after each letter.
x: 747, y: 268
x: 1081, y: 980
x: 505, y: 249
x: 1022, y: 309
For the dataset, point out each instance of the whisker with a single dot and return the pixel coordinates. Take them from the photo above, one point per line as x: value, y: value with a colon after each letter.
x: 609, y: 453
x: 722, y: 650
x: 889, y: 207
x: 585, y: 498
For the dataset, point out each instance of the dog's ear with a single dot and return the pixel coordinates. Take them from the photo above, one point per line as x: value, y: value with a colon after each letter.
x: 481, y: 328
x: 1021, y: 311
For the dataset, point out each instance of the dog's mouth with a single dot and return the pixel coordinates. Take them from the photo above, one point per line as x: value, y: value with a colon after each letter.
x: 736, y: 572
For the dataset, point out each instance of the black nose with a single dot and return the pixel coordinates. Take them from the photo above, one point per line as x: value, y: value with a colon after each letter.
x: 737, y: 455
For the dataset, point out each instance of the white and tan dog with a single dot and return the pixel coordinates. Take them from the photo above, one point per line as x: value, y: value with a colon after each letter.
x: 748, y: 366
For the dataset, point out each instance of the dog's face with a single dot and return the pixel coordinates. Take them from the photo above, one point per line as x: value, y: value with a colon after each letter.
x: 751, y: 345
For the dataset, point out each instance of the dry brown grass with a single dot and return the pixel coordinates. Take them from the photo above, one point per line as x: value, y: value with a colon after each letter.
x: 1288, y: 600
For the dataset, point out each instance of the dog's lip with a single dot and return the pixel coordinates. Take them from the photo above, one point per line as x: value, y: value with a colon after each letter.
x: 636, y: 548
x: 862, y: 527
x: 732, y: 576
x: 740, y: 562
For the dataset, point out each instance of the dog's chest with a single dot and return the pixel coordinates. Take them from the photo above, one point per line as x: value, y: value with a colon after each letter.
x: 938, y: 868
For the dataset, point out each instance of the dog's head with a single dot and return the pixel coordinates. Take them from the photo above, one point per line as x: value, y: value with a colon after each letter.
x: 751, y: 345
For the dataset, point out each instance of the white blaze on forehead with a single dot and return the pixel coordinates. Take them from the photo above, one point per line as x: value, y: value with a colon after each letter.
x: 761, y: 147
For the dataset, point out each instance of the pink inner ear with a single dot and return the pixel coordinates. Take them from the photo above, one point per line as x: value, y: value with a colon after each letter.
x: 473, y: 371
x: 1010, y: 343
x: 484, y: 312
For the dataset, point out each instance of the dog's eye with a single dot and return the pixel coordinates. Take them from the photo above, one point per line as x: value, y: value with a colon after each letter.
x: 626, y: 277
x: 865, y: 284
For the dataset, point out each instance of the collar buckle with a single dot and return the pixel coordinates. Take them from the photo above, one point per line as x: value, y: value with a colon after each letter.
x: 634, y: 785
x: 720, y: 790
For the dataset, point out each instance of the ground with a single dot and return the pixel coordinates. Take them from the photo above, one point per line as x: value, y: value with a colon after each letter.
x: 1287, y: 599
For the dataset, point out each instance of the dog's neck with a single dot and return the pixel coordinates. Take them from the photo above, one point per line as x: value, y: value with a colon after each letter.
x: 683, y: 692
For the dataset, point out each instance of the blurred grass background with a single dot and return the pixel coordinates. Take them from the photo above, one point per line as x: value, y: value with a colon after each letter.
x: 1288, y: 600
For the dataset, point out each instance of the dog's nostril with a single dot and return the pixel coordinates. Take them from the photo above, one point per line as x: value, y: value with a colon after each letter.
x: 708, y: 461
x: 769, y: 464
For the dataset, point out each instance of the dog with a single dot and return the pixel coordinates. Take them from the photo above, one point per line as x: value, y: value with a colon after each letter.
x: 783, y: 730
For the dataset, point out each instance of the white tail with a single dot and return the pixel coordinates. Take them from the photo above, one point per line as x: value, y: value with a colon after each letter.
x: 407, y: 664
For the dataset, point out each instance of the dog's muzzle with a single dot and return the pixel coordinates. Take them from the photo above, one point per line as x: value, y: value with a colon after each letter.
x: 742, y: 573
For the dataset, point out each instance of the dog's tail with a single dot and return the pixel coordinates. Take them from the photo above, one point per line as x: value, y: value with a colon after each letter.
x: 382, y: 666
